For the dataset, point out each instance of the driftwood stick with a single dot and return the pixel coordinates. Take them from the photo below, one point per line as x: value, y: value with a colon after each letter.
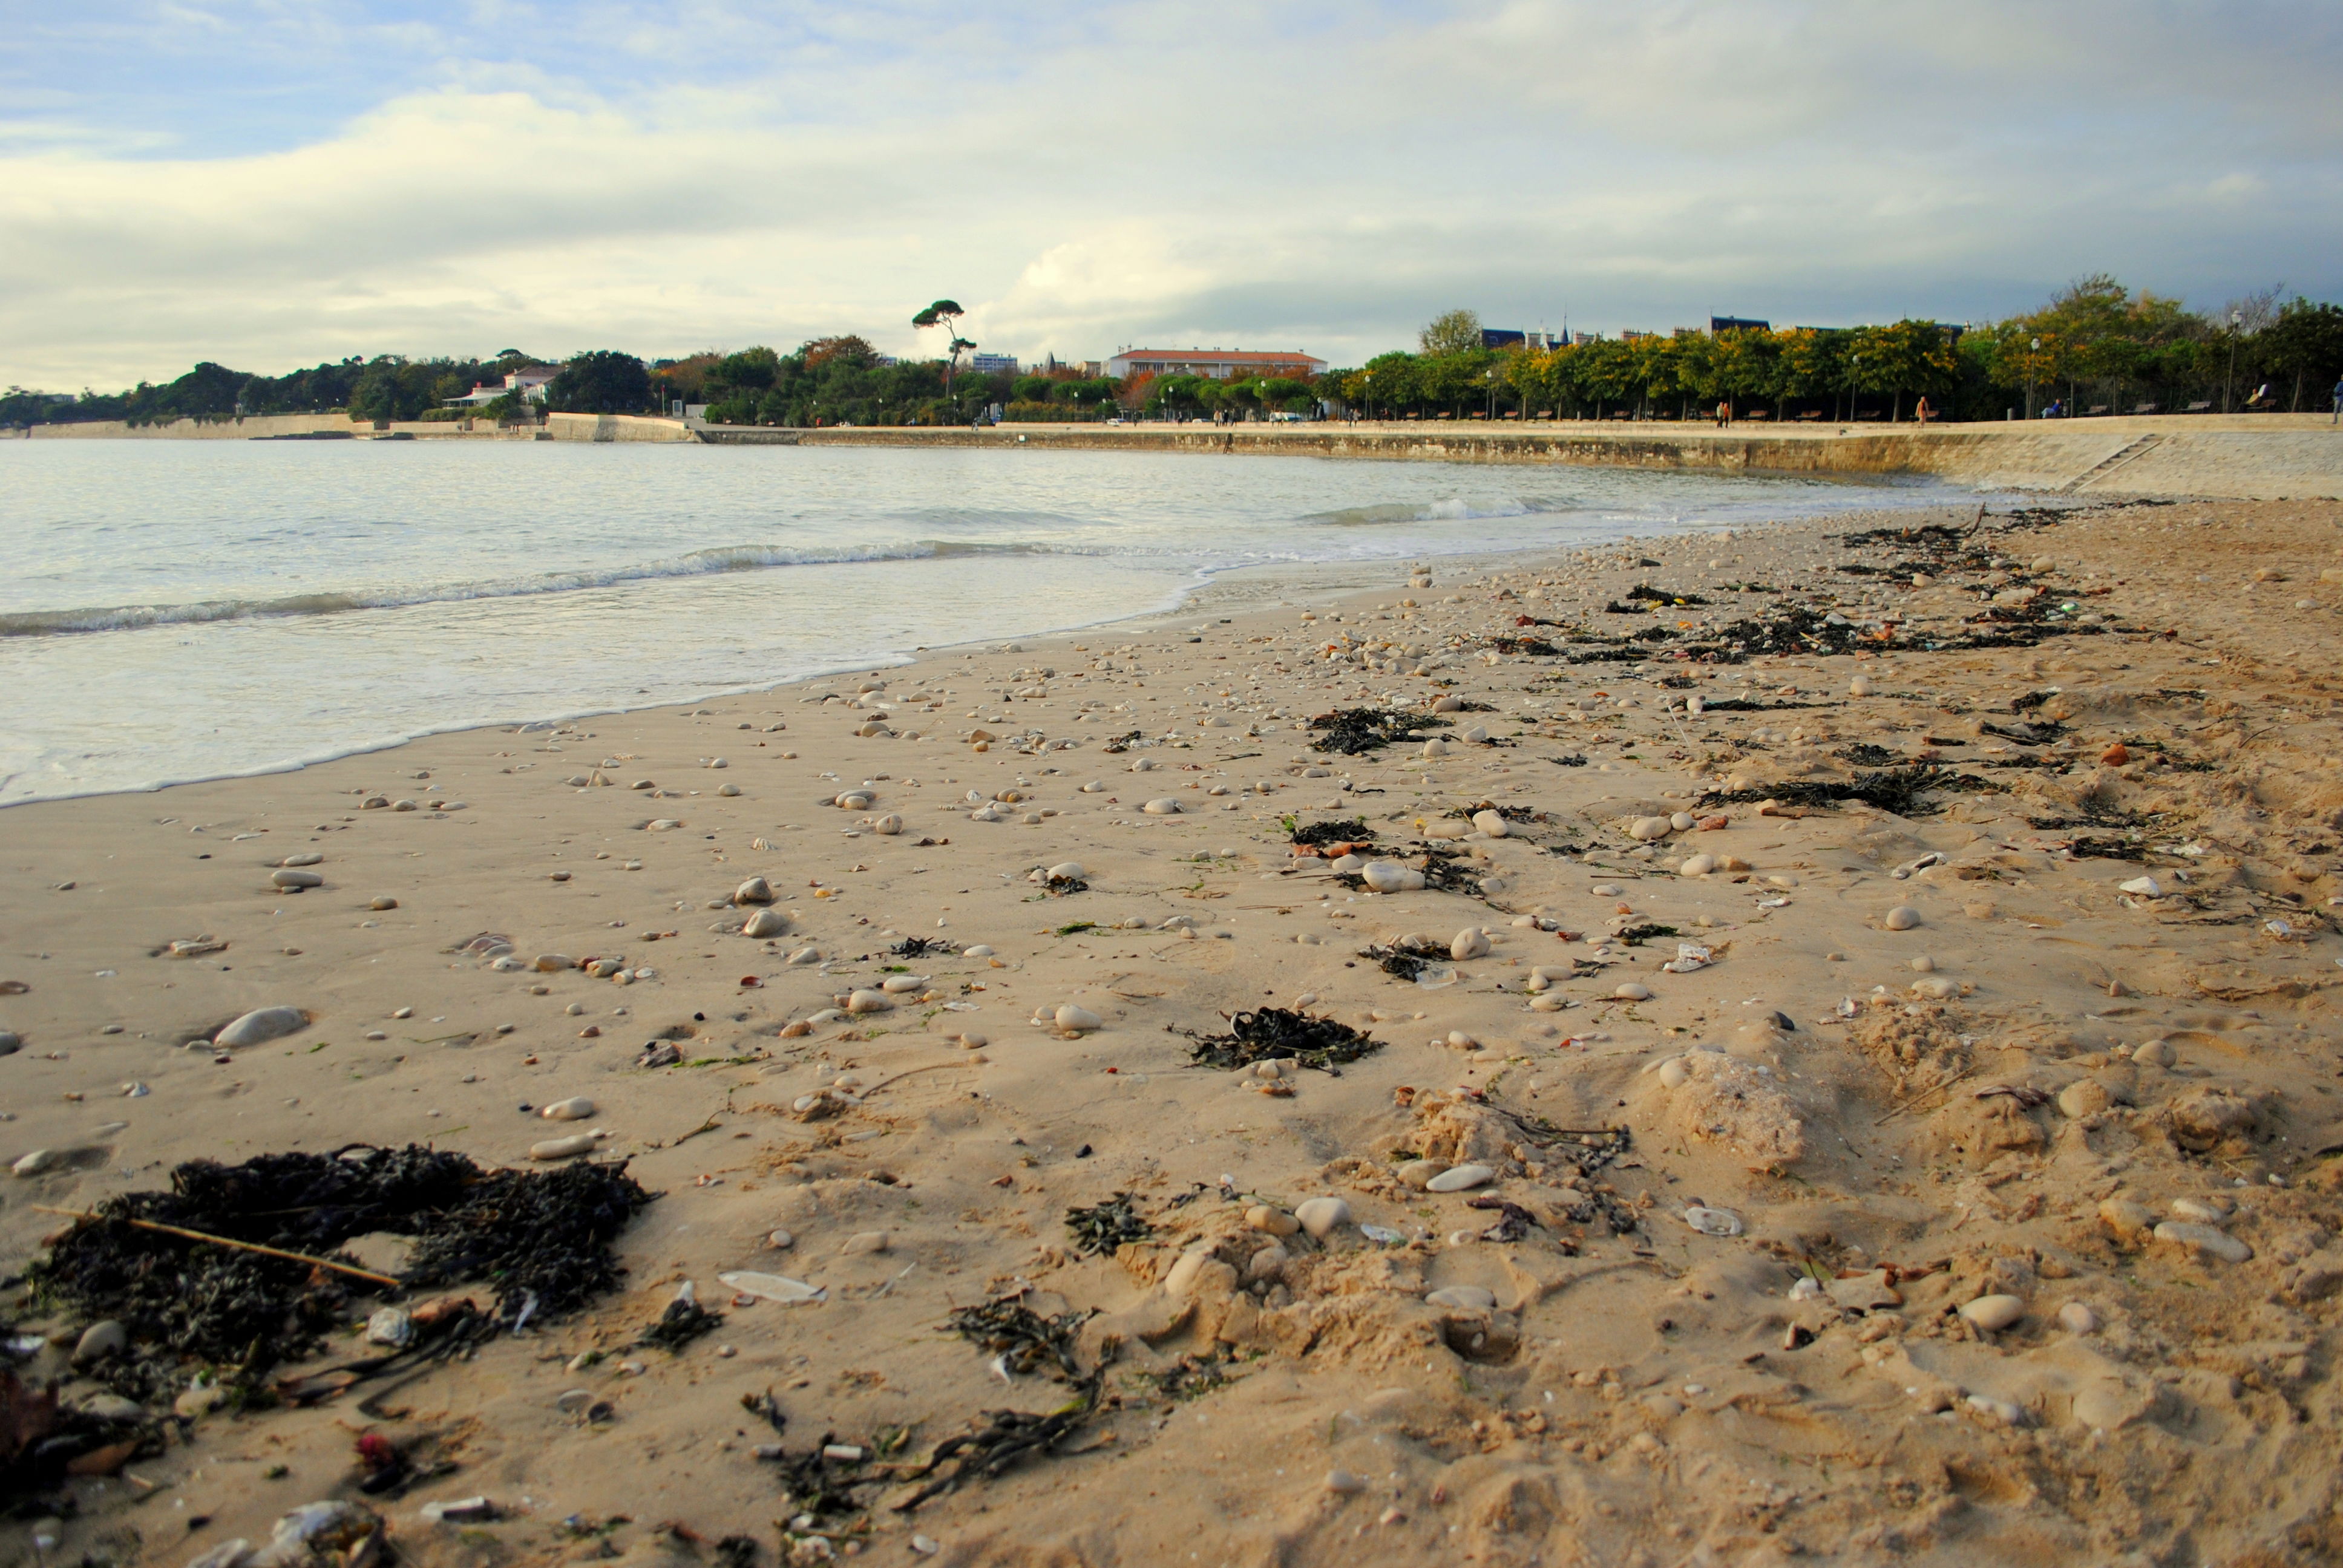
x: 227, y: 1242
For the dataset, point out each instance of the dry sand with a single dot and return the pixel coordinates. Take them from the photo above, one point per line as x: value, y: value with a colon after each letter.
x: 1641, y: 1393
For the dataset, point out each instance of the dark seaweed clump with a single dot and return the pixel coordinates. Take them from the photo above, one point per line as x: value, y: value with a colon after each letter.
x: 1020, y: 1336
x: 543, y: 1239
x: 921, y: 947
x: 1103, y: 1227
x: 1864, y: 754
x: 1348, y: 830
x: 1351, y: 730
x: 682, y: 1322
x: 1900, y: 790
x: 1276, y: 1033
x: 1405, y: 960
x: 1643, y: 593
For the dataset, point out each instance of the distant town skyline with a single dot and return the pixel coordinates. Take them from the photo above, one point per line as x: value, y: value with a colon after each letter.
x: 237, y: 182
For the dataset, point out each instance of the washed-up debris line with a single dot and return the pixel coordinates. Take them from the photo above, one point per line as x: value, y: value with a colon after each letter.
x: 543, y: 1239
x: 1351, y: 730
x: 1103, y: 1227
x: 1023, y: 1338
x: 1281, y: 1034
x: 1900, y: 790
x: 1007, y: 1438
x: 1643, y: 593
x: 923, y: 946
x: 1345, y: 831
x: 1450, y: 871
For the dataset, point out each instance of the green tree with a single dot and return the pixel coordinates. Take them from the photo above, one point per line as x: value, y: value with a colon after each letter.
x: 1450, y: 332
x: 945, y: 314
x: 603, y: 381
x: 2304, y: 344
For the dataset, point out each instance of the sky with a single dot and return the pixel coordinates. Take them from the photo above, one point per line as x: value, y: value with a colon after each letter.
x: 275, y: 182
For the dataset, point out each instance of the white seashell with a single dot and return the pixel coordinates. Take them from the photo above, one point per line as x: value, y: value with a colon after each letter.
x: 1714, y: 1222
x: 772, y: 1287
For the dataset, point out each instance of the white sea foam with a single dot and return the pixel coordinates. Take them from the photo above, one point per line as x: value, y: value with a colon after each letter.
x: 202, y: 609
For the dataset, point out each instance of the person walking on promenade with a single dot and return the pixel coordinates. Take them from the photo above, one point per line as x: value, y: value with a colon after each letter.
x: 1725, y: 413
x: 2337, y: 419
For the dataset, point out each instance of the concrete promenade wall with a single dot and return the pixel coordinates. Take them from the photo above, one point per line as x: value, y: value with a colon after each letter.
x: 2255, y: 457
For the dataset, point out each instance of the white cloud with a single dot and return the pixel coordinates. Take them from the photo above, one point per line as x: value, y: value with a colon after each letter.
x: 1284, y: 176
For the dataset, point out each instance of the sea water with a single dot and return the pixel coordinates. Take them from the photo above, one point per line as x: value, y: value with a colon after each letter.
x: 188, y: 609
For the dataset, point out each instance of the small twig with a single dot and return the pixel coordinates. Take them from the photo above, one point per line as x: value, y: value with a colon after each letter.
x: 1929, y: 1093
x: 225, y: 1242
x: 932, y: 1067
x: 710, y: 1125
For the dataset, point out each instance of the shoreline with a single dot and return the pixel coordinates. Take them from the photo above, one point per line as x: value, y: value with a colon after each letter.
x: 1887, y: 1143
x: 2264, y: 456
x: 1319, y: 579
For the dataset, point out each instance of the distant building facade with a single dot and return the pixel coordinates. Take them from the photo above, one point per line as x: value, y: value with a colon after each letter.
x: 1219, y: 364
x: 993, y: 364
x: 1506, y: 338
x: 1717, y: 323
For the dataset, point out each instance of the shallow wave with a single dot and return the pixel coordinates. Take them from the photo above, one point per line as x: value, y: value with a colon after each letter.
x: 697, y: 563
x: 1455, y: 509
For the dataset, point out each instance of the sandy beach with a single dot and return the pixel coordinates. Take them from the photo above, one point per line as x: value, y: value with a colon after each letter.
x: 1807, y: 1178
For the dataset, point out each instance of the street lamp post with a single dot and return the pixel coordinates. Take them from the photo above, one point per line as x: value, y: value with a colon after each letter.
x: 2229, y: 388
x: 2034, y: 348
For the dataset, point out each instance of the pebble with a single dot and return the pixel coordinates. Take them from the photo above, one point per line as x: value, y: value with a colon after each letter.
x: 1490, y: 823
x: 38, y: 1160
x: 1859, y: 687
x: 1698, y: 866
x: 2201, y: 1213
x: 2156, y: 1053
x: 1476, y: 734
x: 866, y: 1241
x: 1419, y: 1173
x: 1163, y: 807
x: 2208, y: 1239
x: 862, y: 1001
x: 1936, y: 988
x: 895, y: 985
x: 780, y: 1241
x: 577, y: 1108
x: 306, y: 857
x: 1902, y: 918
x: 2126, y: 1219
x: 1463, y: 1298
x: 391, y: 1326
x: 1994, y: 1314
x: 382, y: 904
x: 100, y: 1339
x: 728, y: 789
x: 1065, y: 871
x: 889, y: 824
x: 1435, y: 746
x: 979, y: 951
x: 2077, y: 1318
x: 1674, y: 1073
x: 1078, y: 1019
x: 1470, y: 942
x: 563, y: 1147
x: 1460, y: 1179
x: 765, y: 922
x: 1346, y: 1482
x: 11, y: 1042
x: 1632, y: 990
x: 1321, y: 1217
x: 1649, y: 828
x: 1275, y: 1221
x: 755, y: 891
x: 262, y: 1025
x: 294, y: 881
x: 1391, y: 877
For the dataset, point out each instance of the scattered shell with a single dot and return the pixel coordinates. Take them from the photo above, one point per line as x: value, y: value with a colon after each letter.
x: 772, y: 1287
x: 1714, y: 1222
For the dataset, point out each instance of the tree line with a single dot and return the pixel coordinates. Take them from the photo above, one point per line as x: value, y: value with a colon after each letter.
x: 2097, y: 346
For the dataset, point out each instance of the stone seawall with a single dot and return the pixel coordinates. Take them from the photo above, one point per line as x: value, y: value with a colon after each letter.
x: 2261, y: 457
